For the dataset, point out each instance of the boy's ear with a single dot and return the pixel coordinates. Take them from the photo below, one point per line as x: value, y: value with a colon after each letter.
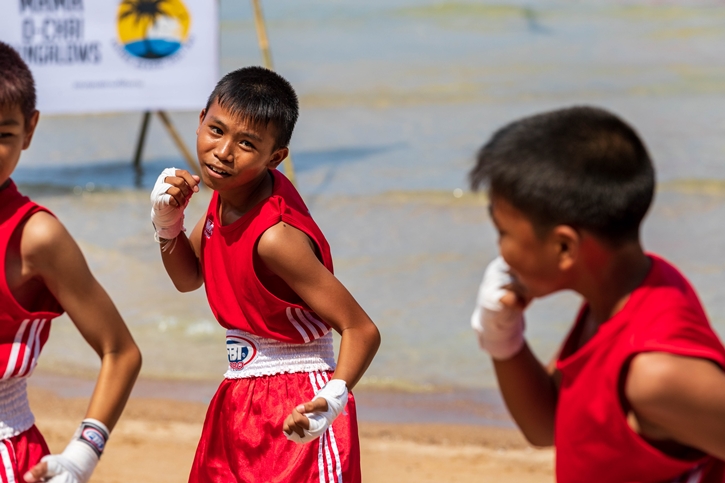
x: 277, y: 157
x: 568, y: 242
x: 30, y: 126
x: 202, y: 115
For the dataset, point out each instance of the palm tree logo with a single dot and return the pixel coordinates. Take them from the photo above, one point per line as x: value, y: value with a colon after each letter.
x: 152, y: 29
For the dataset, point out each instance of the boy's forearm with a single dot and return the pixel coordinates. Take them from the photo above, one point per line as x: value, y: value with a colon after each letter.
x: 113, y: 386
x: 357, y: 349
x: 181, y: 263
x: 530, y: 395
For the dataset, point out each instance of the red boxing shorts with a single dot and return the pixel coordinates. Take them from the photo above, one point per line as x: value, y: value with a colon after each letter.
x: 20, y: 453
x: 242, y: 439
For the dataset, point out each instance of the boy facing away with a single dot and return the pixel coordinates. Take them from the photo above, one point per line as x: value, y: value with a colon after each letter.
x: 283, y: 412
x: 637, y: 391
x: 43, y: 274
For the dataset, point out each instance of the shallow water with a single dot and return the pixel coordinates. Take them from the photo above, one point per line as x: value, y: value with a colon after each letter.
x: 396, y: 97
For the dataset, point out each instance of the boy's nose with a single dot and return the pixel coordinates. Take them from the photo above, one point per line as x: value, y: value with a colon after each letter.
x: 223, y: 152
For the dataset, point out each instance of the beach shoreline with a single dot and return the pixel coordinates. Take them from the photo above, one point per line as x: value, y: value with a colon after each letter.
x: 156, y: 438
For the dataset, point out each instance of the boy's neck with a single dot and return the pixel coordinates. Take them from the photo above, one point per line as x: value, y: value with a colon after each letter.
x: 608, y: 281
x: 235, y: 203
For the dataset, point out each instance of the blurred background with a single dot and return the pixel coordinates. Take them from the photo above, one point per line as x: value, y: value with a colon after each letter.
x: 396, y: 97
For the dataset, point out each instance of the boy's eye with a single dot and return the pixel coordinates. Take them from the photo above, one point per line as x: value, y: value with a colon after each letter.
x: 215, y: 130
x: 5, y: 134
x: 247, y: 144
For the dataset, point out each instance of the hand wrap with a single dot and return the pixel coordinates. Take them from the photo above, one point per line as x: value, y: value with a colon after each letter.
x: 500, y: 329
x: 76, y: 463
x: 168, y: 220
x: 335, y: 393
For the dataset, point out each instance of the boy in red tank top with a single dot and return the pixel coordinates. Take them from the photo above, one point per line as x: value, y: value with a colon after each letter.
x: 283, y: 412
x: 43, y: 274
x: 637, y: 392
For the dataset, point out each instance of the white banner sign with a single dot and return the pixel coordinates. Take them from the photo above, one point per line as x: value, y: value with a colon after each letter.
x: 116, y: 55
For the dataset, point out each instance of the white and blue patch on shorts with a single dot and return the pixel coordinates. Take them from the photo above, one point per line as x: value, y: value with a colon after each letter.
x: 240, y: 352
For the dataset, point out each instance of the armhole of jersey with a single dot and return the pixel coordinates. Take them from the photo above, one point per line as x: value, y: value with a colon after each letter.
x: 4, y: 287
x: 625, y: 407
x: 255, y: 258
x: 705, y: 354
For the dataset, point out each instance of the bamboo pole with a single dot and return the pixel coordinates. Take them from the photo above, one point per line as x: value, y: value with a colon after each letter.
x: 262, y: 34
x: 289, y: 168
x: 140, y: 145
x: 190, y: 160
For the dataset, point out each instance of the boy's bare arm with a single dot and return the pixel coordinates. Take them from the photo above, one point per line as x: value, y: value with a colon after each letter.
x: 290, y: 254
x: 51, y: 254
x: 182, y: 262
x: 679, y: 398
x: 530, y: 392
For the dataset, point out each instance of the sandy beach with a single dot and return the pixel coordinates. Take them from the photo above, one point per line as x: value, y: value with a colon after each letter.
x: 156, y: 438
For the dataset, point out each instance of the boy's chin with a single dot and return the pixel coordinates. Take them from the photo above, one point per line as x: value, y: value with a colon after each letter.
x: 541, y: 292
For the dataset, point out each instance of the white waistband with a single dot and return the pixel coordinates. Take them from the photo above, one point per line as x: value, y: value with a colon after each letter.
x: 253, y: 356
x: 15, y: 415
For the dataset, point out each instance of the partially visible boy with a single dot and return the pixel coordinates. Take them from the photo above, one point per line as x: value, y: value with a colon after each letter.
x: 267, y: 271
x: 637, y: 391
x: 43, y: 274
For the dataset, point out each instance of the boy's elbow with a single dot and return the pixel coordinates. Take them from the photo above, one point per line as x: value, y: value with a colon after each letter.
x: 374, y: 337
x: 538, y: 440
x: 185, y: 286
x: 134, y: 359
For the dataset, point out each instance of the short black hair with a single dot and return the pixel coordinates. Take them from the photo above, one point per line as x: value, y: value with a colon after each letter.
x: 261, y: 96
x: 17, y: 87
x: 580, y: 166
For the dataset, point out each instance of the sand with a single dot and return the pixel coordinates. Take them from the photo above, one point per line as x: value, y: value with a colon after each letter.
x: 156, y: 438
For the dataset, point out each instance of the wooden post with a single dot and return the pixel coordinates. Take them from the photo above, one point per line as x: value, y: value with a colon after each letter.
x: 190, y: 160
x: 289, y: 168
x: 139, y: 147
x: 262, y: 34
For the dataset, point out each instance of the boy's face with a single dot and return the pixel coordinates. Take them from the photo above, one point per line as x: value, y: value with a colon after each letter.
x: 535, y: 262
x: 15, y: 136
x: 234, y: 152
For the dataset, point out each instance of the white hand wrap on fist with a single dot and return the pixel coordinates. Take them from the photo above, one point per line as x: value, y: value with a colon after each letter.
x: 335, y: 393
x: 500, y: 329
x: 167, y: 219
x: 77, y: 462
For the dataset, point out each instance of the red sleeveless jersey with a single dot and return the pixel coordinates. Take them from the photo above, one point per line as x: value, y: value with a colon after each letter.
x: 592, y: 438
x: 22, y: 334
x: 237, y: 297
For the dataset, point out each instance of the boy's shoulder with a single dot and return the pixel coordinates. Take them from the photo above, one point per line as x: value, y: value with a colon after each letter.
x: 666, y: 289
x: 666, y: 314
x: 37, y: 232
x: 285, y: 204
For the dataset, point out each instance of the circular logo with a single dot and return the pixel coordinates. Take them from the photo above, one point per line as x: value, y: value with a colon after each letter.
x: 240, y: 352
x: 153, y: 29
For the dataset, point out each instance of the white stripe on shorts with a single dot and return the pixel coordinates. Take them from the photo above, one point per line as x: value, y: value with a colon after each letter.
x: 324, y: 439
x: 333, y: 443
x: 320, y: 457
x: 7, y: 461
x: 327, y: 440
